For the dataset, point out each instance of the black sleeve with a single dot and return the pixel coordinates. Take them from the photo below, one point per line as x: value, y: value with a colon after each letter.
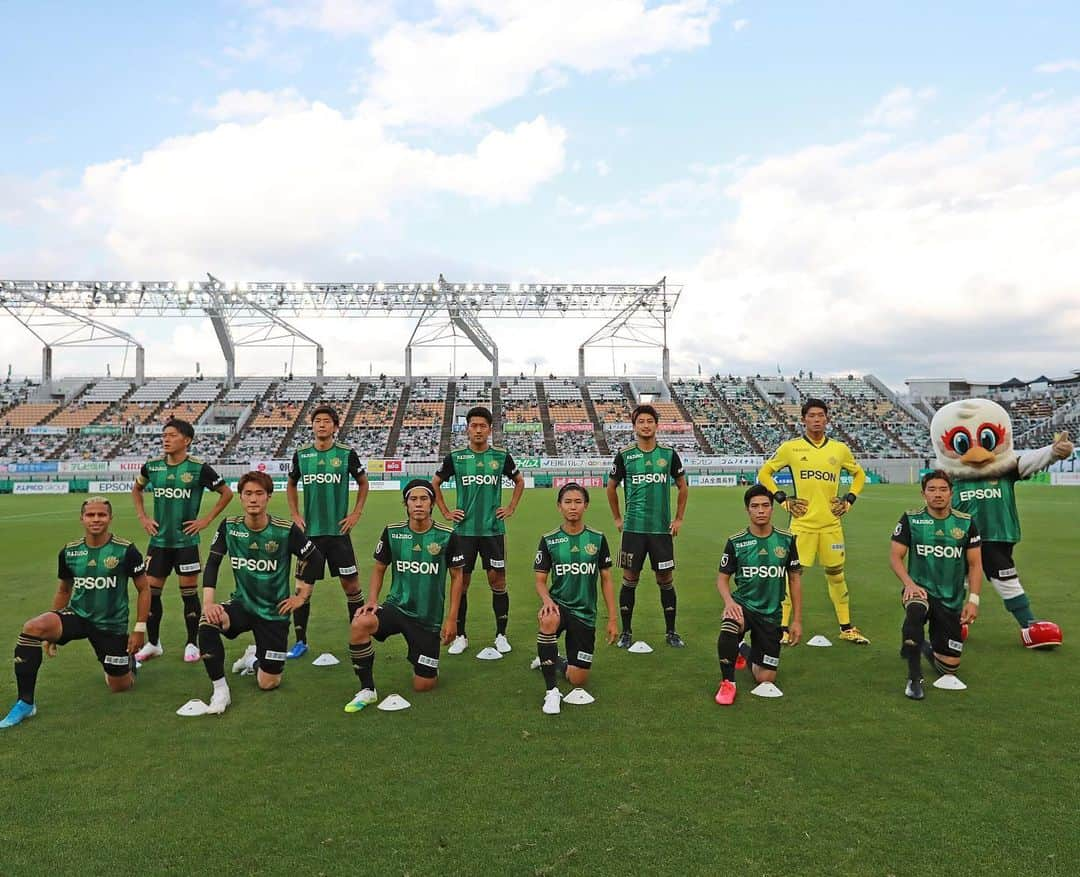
x: 974, y: 537
x: 209, y: 479
x: 294, y: 468
x: 605, y: 554
x: 902, y: 531
x: 218, y: 549
x: 677, y: 469
x: 133, y: 561
x: 455, y: 554
x: 729, y: 563
x: 446, y: 470
x: 382, y: 550
x: 309, y: 558
x: 144, y: 476
x: 510, y: 469
x: 543, y: 557
x: 618, y: 470
x: 63, y: 571
x: 794, y: 564
x: 356, y: 468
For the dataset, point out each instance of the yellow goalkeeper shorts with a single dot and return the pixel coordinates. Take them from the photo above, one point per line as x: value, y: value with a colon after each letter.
x: 825, y: 547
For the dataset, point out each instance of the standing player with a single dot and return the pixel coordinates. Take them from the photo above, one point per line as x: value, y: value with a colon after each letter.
x: 91, y: 603
x: 259, y: 548
x: 479, y: 517
x: 418, y: 552
x: 944, y: 555
x: 645, y: 470
x: 815, y: 462
x: 763, y: 562
x: 575, y: 556
x: 324, y: 467
x: 176, y: 482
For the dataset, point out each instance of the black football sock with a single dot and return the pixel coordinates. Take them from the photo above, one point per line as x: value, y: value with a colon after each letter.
x: 915, y: 612
x: 667, y: 603
x: 300, y: 618
x: 192, y: 609
x: 363, y: 661
x: 153, y: 621
x: 500, y: 604
x: 727, y: 648
x: 463, y: 610
x: 627, y: 597
x: 547, y: 648
x: 213, y: 650
x: 353, y: 602
x: 27, y: 664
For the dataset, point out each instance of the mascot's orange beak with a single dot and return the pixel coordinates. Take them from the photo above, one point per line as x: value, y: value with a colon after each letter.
x: 977, y: 456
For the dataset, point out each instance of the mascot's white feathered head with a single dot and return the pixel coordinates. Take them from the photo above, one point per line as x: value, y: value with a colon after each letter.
x: 973, y: 438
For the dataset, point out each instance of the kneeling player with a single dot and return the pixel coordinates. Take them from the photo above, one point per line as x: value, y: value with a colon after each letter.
x: 575, y: 556
x: 91, y: 603
x: 762, y: 561
x: 944, y: 552
x: 259, y: 548
x: 418, y: 552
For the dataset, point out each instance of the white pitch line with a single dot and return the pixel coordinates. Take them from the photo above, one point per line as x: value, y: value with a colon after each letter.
x: 34, y: 515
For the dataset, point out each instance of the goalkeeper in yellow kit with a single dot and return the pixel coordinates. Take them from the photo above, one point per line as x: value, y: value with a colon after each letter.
x: 815, y: 462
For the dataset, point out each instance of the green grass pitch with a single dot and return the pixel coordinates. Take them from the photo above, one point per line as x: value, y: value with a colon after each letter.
x: 843, y: 775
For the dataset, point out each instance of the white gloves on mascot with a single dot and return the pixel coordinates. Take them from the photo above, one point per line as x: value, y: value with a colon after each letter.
x: 973, y: 441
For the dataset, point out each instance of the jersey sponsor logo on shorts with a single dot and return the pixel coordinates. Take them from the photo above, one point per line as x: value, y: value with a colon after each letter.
x: 949, y: 551
x: 816, y: 475
x: 762, y: 571
x: 585, y: 656
x: 497, y: 564
x: 770, y: 661
x: 95, y: 583
x: 188, y: 568
x: 980, y: 493
x: 1007, y: 573
x: 469, y: 480
x: 322, y: 478
x: 419, y: 567
x: 252, y: 564
x: 577, y: 568
x: 346, y: 570
x: 665, y: 564
x: 649, y: 478
x: 956, y: 645
x: 837, y: 546
x: 275, y: 656
x: 172, y: 493
x: 117, y: 660
x: 425, y: 661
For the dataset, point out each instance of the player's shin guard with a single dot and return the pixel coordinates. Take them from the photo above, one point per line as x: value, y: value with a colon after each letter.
x: 363, y: 662
x: 353, y: 602
x: 838, y: 593
x: 27, y: 664
x: 500, y: 605
x: 212, y: 649
x: 300, y: 618
x: 667, y: 603
x: 912, y: 633
x: 727, y: 648
x: 462, y: 612
x: 192, y: 610
x: 547, y: 649
x: 153, y: 620
x: 627, y: 597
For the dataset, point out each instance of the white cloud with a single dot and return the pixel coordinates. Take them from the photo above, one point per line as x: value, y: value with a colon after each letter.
x: 948, y: 255
x: 899, y: 107
x: 341, y: 18
x: 603, y: 168
x: 740, y: 24
x: 1068, y: 65
x: 479, y: 54
x: 235, y: 104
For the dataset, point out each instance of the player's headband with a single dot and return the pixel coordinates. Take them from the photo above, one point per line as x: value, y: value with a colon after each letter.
x: 423, y: 485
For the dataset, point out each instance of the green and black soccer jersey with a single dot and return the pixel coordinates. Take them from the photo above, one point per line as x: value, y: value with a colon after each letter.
x: 261, y: 561
x: 478, y: 484
x: 937, y: 552
x: 992, y: 504
x: 99, y: 581
x: 325, y: 477
x: 646, y: 478
x: 574, y: 563
x: 759, y: 567
x: 418, y: 564
x: 177, y: 492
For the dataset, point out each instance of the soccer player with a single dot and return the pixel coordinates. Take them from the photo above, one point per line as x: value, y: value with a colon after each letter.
x: 815, y: 462
x: 645, y: 470
x: 176, y: 481
x: 324, y: 467
x: 762, y: 561
x: 480, y: 517
x: 91, y: 603
x: 574, y: 556
x: 418, y: 552
x: 259, y: 547
x: 942, y: 548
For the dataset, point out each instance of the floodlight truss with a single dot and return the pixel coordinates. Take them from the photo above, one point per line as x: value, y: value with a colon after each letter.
x: 642, y: 323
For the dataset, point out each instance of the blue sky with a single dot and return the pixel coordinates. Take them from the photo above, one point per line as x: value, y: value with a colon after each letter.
x: 884, y: 187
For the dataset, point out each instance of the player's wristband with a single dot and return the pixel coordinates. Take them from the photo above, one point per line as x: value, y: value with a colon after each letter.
x: 850, y: 499
x: 779, y: 497
x: 974, y: 599
x: 140, y: 627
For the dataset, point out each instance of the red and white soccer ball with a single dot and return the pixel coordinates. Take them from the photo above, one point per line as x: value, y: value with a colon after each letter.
x: 1041, y: 635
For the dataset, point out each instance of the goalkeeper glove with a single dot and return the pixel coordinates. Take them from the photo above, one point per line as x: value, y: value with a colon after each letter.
x: 796, y: 506
x: 840, y: 505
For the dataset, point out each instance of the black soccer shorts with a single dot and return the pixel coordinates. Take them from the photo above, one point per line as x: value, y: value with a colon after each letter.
x: 338, y: 555
x: 161, y: 562
x: 110, y: 648
x: 423, y: 644
x: 580, y: 639
x: 945, y: 634
x: 492, y: 551
x: 271, y: 637
x: 660, y: 548
x: 764, y: 639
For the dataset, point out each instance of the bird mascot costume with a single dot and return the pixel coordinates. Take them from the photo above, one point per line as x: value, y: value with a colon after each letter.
x: 973, y: 442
